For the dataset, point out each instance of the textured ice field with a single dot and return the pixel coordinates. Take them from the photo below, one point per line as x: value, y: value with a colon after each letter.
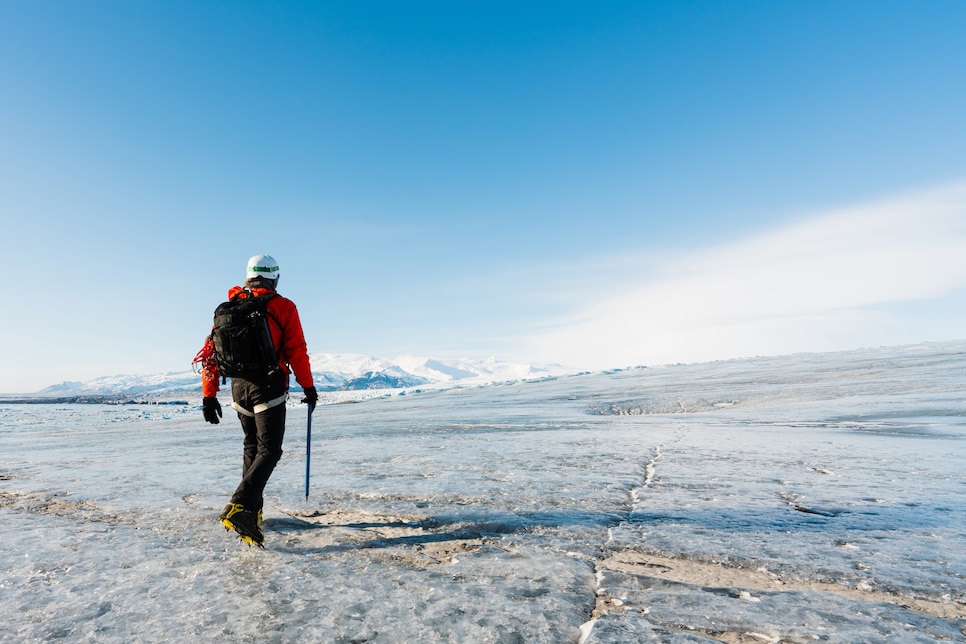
x: 794, y: 499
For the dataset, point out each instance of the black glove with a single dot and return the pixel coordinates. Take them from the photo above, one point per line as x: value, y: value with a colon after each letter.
x: 311, y: 396
x: 211, y: 408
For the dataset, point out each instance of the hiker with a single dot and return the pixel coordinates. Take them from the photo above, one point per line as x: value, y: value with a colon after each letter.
x: 258, y: 392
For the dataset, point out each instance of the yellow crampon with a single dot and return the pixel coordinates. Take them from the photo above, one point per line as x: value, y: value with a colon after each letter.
x: 250, y: 541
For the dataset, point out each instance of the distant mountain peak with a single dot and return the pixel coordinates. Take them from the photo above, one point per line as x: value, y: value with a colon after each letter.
x: 331, y: 372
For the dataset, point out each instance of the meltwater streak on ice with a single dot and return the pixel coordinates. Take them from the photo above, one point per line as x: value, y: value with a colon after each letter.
x: 797, y: 499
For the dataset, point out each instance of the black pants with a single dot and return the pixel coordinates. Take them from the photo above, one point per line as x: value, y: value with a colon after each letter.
x: 264, y: 430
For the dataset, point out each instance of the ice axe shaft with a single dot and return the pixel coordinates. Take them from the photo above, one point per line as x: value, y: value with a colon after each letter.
x: 308, y: 450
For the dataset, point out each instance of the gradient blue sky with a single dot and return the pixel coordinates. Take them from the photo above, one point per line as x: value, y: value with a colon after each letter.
x: 594, y: 183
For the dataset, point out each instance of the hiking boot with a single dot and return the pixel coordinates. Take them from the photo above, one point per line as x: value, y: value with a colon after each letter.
x: 244, y: 522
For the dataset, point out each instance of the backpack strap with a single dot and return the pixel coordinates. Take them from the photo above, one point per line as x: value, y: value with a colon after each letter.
x: 265, y: 298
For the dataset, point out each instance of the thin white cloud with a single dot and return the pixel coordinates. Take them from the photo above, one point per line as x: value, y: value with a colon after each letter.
x: 812, y: 286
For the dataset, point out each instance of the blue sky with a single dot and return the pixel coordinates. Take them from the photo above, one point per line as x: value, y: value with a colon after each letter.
x: 529, y: 181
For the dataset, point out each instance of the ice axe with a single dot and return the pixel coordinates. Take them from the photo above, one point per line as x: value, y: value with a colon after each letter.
x: 308, y: 450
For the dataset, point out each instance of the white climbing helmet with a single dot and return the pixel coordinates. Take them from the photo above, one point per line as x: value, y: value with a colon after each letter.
x: 262, y: 266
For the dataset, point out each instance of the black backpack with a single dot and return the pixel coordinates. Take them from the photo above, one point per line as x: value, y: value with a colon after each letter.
x: 242, y: 341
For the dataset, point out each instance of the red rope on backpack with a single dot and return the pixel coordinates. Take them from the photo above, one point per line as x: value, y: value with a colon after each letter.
x: 204, y: 362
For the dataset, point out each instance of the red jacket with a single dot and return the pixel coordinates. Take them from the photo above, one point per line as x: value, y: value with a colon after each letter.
x: 287, y: 336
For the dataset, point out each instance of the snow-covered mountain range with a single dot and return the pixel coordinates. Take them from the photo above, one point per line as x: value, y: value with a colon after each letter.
x: 332, y: 373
